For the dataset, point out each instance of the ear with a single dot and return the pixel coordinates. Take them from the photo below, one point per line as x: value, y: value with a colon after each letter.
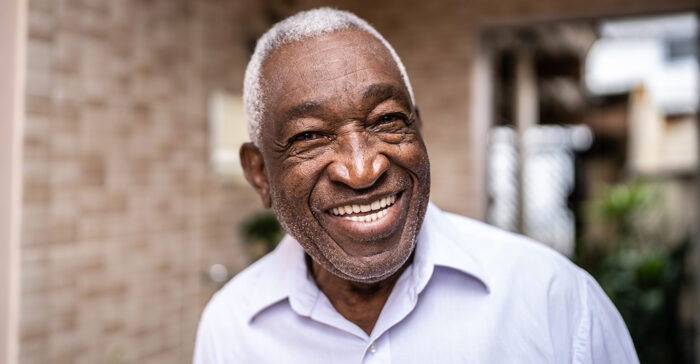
x: 254, y: 171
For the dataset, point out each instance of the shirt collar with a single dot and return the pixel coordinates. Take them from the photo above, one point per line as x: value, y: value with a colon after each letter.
x: 444, y: 243
x: 440, y: 244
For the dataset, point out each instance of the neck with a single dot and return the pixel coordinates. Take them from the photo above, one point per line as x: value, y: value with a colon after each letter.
x: 360, y: 303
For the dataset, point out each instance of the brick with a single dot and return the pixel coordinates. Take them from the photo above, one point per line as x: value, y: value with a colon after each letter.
x: 39, y: 82
x: 41, y: 23
x: 39, y: 55
x: 35, y: 191
x: 41, y: 6
x: 92, y: 167
x: 63, y: 230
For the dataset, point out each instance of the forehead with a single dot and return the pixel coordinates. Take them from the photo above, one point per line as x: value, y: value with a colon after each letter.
x: 327, y: 67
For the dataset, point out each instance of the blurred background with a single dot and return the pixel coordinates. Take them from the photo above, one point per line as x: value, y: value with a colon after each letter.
x: 572, y: 122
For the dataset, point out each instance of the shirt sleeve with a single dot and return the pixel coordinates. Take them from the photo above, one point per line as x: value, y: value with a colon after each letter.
x: 601, y: 336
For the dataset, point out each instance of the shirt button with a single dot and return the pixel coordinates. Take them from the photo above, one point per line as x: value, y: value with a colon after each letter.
x: 373, y: 348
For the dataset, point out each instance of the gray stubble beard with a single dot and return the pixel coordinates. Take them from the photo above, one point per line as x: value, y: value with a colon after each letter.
x: 330, y: 260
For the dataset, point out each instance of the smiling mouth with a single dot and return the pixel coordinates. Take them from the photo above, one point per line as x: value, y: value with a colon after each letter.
x: 365, y: 212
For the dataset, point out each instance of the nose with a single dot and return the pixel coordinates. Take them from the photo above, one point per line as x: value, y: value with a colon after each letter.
x: 358, y: 163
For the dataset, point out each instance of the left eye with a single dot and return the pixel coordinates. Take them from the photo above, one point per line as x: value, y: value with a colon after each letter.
x: 390, y: 118
x: 306, y: 136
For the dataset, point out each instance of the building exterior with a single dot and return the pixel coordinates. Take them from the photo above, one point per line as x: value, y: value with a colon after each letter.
x: 121, y: 217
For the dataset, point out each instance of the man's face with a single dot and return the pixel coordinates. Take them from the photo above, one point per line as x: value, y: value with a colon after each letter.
x: 347, y: 169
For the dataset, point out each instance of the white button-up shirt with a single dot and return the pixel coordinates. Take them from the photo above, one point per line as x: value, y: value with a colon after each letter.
x: 473, y: 294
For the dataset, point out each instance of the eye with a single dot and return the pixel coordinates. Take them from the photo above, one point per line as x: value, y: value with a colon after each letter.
x: 390, y: 118
x: 391, y: 123
x: 306, y: 136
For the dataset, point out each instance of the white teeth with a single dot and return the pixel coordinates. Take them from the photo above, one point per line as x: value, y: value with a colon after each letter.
x: 376, y: 205
x: 368, y: 218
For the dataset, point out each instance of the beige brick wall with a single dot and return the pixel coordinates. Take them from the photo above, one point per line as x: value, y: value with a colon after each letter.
x: 120, y: 215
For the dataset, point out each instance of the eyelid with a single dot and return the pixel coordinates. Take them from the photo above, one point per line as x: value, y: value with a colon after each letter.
x: 399, y: 115
x: 391, y: 106
x: 296, y: 137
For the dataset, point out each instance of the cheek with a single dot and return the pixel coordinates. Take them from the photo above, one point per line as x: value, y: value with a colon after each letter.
x: 413, y: 157
x: 295, y: 183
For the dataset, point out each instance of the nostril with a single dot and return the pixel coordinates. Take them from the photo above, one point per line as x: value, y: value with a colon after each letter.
x: 380, y: 165
x: 358, y: 173
x: 338, y: 172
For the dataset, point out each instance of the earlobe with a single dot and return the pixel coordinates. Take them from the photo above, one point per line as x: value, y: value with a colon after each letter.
x: 254, y: 171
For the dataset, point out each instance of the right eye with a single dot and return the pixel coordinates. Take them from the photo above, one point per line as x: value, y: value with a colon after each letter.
x: 306, y: 136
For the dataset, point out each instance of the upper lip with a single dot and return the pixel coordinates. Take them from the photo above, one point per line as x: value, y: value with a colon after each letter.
x: 363, y: 200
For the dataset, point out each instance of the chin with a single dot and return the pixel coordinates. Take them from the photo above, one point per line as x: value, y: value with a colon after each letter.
x: 380, y: 266
x: 374, y: 271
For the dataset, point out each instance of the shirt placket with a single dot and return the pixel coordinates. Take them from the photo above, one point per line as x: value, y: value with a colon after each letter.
x: 378, y: 351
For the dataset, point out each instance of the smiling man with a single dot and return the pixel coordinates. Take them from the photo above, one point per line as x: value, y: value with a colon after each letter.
x: 370, y: 271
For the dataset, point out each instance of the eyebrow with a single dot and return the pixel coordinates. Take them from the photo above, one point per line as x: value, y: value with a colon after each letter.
x: 302, y: 109
x: 384, y: 91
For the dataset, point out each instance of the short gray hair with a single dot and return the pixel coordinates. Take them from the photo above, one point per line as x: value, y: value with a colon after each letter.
x: 302, y: 26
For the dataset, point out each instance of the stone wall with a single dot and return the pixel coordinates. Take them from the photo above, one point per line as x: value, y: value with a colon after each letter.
x: 120, y: 215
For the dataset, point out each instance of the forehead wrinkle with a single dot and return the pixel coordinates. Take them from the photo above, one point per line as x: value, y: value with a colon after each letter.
x: 279, y: 57
x: 306, y: 85
x: 354, y: 65
x: 346, y: 74
x: 285, y: 69
x: 305, y: 55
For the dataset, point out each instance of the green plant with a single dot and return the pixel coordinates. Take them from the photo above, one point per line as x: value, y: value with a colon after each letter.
x: 642, y: 274
x: 261, y: 232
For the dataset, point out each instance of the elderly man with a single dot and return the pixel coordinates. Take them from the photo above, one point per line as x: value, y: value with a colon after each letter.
x: 371, y: 272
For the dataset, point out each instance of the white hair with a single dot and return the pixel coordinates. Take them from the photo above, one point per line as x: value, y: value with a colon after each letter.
x: 302, y: 26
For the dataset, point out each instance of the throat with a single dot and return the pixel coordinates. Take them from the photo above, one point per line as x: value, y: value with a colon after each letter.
x: 360, y: 303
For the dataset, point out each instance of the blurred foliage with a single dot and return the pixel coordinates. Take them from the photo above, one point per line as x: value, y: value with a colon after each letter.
x: 261, y: 232
x: 622, y: 204
x: 116, y: 356
x: 642, y: 274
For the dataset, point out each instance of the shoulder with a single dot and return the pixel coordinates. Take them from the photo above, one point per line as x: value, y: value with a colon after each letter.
x: 505, y: 253
x: 238, y: 296
x: 229, y: 312
x: 251, y: 290
x: 511, y: 265
x: 539, y: 291
x: 226, y: 330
